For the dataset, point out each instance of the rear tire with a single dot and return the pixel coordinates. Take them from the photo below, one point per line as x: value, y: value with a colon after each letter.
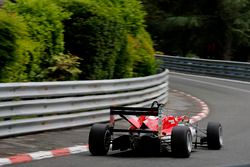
x: 214, y: 135
x: 99, y: 139
x: 181, y: 141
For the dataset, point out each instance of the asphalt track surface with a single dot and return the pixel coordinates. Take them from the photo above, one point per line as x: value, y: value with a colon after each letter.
x: 229, y: 103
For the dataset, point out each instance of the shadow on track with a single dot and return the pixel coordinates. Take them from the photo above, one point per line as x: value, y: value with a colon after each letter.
x: 133, y: 154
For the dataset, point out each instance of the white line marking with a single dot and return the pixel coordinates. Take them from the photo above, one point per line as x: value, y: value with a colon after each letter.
x: 213, y: 84
x: 46, y: 154
x: 4, y: 161
x: 214, y: 78
x: 41, y: 155
x: 78, y: 149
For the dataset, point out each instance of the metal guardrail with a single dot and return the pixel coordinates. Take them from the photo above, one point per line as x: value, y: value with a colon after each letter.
x: 76, y: 88
x: 225, y: 69
x: 34, y: 107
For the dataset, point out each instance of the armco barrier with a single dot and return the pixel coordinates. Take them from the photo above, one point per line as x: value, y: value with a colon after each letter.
x: 224, y: 69
x: 34, y: 107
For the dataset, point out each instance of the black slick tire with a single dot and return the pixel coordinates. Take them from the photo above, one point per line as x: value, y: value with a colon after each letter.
x: 181, y: 142
x: 99, y: 139
x: 214, y: 135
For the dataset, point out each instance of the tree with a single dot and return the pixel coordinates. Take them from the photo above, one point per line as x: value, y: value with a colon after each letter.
x: 74, y: 39
x: 99, y: 32
x: 15, y: 46
x: 208, y: 28
x: 43, y: 21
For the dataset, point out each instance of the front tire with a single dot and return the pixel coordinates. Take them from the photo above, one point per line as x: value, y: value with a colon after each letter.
x: 214, y: 135
x: 99, y: 139
x: 181, y: 141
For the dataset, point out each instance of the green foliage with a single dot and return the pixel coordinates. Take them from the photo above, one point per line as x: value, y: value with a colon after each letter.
x: 44, y: 23
x: 208, y: 28
x: 65, y: 68
x: 15, y: 45
x: 104, y: 26
x: 107, y: 38
x: 235, y: 15
x: 20, y: 69
x: 140, y: 50
x: 8, y: 36
x: 44, y: 19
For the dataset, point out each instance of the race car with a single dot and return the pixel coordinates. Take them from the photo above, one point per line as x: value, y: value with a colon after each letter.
x: 151, y: 131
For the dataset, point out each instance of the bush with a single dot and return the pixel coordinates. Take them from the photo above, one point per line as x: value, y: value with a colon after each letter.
x: 15, y: 46
x: 98, y: 32
x: 9, y: 33
x: 141, y: 47
x: 94, y: 36
x: 44, y: 23
x: 65, y: 67
x: 107, y: 37
x: 20, y: 69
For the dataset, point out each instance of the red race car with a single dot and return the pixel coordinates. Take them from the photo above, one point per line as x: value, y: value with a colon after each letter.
x: 150, y: 131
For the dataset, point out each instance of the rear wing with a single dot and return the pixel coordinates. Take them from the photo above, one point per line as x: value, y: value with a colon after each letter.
x: 137, y: 111
x: 156, y: 110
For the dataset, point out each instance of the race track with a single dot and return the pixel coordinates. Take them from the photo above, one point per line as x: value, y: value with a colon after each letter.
x: 229, y: 103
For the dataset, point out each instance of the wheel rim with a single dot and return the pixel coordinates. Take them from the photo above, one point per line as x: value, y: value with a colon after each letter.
x: 220, y: 136
x: 189, y: 142
x: 107, y: 138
